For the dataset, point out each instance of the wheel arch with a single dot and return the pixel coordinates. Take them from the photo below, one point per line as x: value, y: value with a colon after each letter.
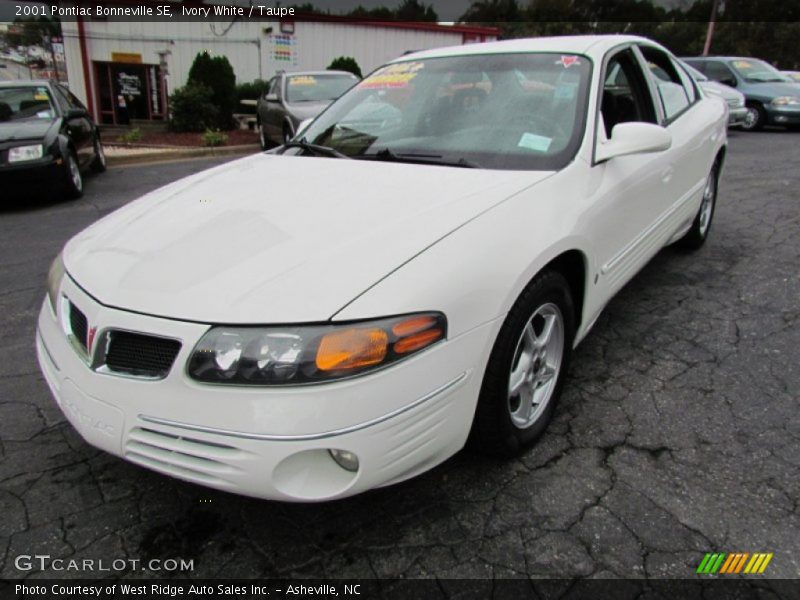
x: 573, y: 266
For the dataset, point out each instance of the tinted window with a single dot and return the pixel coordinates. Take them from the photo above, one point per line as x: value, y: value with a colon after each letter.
x: 501, y: 111
x: 718, y: 71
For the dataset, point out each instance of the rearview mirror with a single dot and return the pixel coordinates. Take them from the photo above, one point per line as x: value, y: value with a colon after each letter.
x: 76, y: 113
x: 634, y: 138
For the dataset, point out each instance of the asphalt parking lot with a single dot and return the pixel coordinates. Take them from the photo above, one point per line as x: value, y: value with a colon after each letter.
x: 678, y: 432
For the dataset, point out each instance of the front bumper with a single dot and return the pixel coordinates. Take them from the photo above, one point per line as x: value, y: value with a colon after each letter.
x: 35, y: 173
x: 736, y: 116
x: 267, y: 442
x: 783, y: 115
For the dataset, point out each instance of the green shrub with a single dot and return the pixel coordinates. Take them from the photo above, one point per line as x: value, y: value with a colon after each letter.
x: 192, y: 109
x: 216, y: 73
x: 131, y: 136
x: 345, y: 63
x: 214, y: 137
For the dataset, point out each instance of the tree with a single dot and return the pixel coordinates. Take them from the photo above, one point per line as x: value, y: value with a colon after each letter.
x: 32, y: 31
x: 413, y: 10
x: 487, y: 11
x: 345, y: 63
x: 216, y: 73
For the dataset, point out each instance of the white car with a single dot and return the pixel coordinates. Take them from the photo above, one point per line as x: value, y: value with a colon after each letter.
x: 349, y: 310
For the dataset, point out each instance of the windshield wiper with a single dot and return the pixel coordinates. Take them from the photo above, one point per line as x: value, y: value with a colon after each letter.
x: 425, y: 159
x: 312, y: 148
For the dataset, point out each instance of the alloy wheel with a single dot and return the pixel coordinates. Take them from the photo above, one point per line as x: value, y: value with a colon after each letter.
x: 536, y: 366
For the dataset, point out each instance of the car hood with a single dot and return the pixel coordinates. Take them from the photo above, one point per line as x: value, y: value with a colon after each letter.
x: 274, y: 239
x: 30, y: 129
x: 773, y: 89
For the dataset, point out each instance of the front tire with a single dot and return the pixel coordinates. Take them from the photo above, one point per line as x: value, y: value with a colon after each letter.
x: 99, y: 163
x: 755, y: 118
x: 698, y: 233
x: 526, y: 369
x: 262, y: 138
x: 73, y: 179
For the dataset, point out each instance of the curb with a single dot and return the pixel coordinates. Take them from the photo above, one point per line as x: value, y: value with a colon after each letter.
x: 179, y: 153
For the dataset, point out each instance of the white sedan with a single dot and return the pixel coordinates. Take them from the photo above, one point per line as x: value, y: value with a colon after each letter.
x: 409, y: 274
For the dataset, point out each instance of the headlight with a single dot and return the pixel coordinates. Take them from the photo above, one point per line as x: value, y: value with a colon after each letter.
x: 786, y: 101
x: 22, y: 153
x: 312, y: 353
x: 54, y: 277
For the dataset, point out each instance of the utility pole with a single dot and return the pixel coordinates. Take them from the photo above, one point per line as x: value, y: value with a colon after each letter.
x: 711, y: 22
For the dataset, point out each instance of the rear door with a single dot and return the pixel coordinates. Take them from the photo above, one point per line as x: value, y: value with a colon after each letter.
x: 695, y: 133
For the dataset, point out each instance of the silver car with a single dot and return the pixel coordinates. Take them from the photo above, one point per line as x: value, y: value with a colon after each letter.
x: 291, y: 98
x: 737, y: 111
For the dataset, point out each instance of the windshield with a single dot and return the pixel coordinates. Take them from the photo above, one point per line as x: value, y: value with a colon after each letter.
x: 29, y: 102
x: 755, y: 71
x: 498, y: 111
x: 317, y: 88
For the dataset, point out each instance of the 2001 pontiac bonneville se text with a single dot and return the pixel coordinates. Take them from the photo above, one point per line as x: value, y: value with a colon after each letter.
x: 409, y: 273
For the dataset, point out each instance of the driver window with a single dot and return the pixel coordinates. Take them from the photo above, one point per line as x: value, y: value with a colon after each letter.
x: 625, y: 94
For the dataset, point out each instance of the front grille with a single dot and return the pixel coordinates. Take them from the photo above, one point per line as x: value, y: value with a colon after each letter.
x: 140, y: 355
x: 78, y: 325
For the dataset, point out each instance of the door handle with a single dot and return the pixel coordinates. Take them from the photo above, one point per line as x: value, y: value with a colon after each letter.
x: 667, y: 174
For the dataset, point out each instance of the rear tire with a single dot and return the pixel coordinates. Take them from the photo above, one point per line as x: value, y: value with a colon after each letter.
x: 526, y: 369
x: 73, y: 179
x: 698, y: 233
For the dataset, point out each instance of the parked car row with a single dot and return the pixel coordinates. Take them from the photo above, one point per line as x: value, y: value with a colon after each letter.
x: 771, y: 97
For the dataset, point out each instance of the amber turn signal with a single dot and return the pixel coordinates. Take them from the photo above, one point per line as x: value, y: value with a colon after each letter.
x: 352, y: 349
x: 417, y: 341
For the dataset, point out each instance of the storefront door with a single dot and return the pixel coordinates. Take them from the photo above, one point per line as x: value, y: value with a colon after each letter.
x: 128, y: 91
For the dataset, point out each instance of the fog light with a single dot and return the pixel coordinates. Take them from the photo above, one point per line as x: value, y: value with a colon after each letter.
x: 347, y: 460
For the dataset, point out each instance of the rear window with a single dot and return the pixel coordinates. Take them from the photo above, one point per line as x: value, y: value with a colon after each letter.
x: 317, y: 88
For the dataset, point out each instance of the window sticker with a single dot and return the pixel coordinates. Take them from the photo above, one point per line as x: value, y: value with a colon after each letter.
x: 393, y: 76
x: 303, y: 80
x: 568, y: 61
x: 538, y: 143
x: 742, y: 64
x: 40, y: 95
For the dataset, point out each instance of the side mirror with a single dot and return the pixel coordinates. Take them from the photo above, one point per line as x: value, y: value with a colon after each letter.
x: 728, y: 81
x: 634, y: 138
x: 303, y: 126
x: 76, y: 113
x: 271, y: 97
